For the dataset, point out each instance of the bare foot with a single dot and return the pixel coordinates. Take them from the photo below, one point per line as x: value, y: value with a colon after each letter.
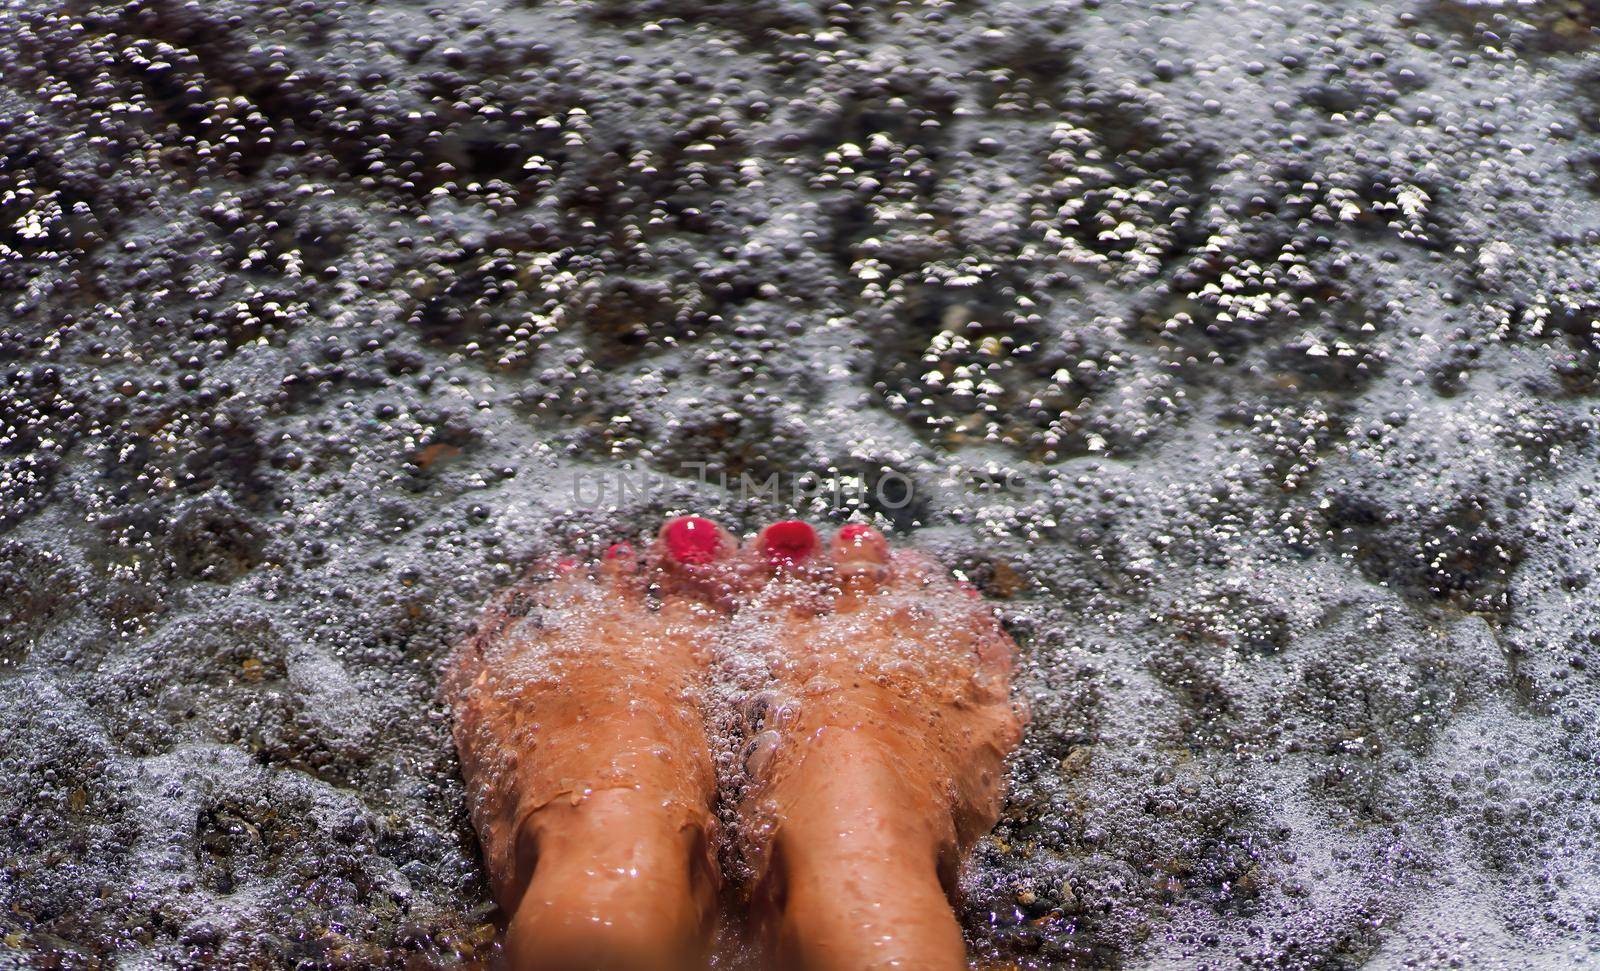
x: 580, y: 732
x: 876, y: 757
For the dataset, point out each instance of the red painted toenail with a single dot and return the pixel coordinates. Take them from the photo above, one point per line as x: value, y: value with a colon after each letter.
x: 692, y: 540
x: 859, y: 534
x: 619, y: 551
x: 790, y: 541
x: 858, y: 541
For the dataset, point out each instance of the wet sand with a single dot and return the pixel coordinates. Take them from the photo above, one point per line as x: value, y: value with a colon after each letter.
x: 1246, y: 353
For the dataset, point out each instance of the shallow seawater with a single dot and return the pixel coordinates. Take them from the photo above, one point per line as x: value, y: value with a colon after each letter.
x: 1246, y: 354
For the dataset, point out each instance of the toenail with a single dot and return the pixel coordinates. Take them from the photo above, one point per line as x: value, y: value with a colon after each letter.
x: 856, y: 533
x: 858, y: 541
x: 860, y: 554
x: 791, y: 541
x: 692, y: 540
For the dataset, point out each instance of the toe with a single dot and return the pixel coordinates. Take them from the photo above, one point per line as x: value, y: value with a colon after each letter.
x: 621, y: 572
x: 787, y: 545
x: 914, y: 569
x: 619, y: 567
x: 924, y: 582
x: 860, y: 557
x: 694, y: 541
x: 694, y: 556
x: 565, y: 578
x: 997, y: 657
x: 786, y: 567
x: 550, y: 582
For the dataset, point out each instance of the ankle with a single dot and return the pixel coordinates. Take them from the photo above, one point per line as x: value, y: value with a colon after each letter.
x: 861, y: 902
x: 877, y: 852
x: 862, y: 866
x: 616, y: 882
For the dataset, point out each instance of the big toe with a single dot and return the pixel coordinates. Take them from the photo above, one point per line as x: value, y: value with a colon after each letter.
x: 861, y: 564
x: 694, y: 557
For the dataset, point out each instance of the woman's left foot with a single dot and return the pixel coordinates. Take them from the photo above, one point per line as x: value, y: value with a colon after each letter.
x: 876, y: 757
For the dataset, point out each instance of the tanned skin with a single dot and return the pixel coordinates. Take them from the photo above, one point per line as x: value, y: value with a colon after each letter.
x: 873, y: 752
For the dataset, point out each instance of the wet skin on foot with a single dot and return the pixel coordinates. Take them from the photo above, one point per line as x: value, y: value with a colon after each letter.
x: 875, y: 754
x: 579, y: 726
x: 872, y: 755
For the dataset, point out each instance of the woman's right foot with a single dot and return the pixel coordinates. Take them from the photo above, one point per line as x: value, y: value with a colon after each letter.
x: 579, y: 726
x: 875, y: 758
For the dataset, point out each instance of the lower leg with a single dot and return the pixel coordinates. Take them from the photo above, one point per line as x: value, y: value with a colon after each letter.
x: 618, y: 884
x: 855, y: 880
